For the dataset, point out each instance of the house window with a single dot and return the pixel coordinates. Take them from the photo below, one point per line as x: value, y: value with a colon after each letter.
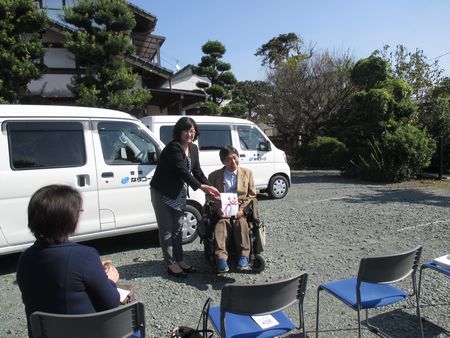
x: 53, y: 4
x: 56, y: 4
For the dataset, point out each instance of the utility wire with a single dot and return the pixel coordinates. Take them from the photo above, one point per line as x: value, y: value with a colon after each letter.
x: 438, y: 57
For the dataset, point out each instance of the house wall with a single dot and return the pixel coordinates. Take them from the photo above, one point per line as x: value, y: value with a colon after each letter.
x: 185, y: 80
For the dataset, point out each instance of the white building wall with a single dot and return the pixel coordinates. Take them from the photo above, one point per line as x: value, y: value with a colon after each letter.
x: 185, y: 80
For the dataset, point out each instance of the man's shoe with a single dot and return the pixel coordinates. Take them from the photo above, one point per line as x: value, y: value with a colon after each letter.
x: 222, y: 266
x: 243, y: 263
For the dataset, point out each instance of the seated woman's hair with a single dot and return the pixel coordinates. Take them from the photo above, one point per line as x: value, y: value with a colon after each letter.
x: 53, y: 212
x: 224, y: 152
x: 184, y: 123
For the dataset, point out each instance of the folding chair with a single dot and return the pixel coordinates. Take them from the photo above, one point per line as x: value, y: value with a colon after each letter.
x: 432, y: 266
x: 238, y: 303
x: 123, y: 321
x: 373, y: 288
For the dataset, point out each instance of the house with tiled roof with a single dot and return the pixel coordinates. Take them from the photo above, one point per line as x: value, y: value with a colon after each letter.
x: 146, y: 62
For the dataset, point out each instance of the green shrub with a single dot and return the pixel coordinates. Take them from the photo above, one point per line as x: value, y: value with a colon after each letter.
x: 324, y: 152
x: 399, y: 154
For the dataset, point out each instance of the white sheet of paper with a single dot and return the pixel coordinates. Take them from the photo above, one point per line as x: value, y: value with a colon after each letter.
x: 123, y: 294
x: 443, y: 261
x: 230, y: 204
x: 265, y: 321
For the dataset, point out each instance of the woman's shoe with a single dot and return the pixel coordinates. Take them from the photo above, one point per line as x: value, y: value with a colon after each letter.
x: 180, y: 274
x: 190, y: 269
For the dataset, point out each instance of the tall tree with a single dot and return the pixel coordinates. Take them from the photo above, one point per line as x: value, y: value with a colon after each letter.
x: 280, y: 49
x: 218, y: 73
x: 381, y: 132
x: 100, y: 43
x: 435, y: 116
x: 306, y: 92
x: 412, y: 67
x: 21, y: 26
x: 251, y: 95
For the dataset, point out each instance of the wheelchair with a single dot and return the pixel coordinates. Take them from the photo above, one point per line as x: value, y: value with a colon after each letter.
x: 257, y: 262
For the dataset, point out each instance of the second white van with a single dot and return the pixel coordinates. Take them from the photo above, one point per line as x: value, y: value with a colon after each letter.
x: 271, y: 171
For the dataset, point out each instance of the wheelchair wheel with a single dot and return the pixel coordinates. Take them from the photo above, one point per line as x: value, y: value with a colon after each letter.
x: 259, y: 263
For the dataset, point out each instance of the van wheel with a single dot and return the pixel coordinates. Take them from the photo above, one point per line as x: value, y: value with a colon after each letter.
x: 278, y: 186
x: 191, y: 220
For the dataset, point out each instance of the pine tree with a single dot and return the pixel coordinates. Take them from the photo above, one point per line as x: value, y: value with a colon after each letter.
x: 21, y: 26
x: 100, y: 44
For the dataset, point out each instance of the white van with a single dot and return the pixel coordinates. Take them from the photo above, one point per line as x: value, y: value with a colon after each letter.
x: 109, y: 156
x: 268, y: 163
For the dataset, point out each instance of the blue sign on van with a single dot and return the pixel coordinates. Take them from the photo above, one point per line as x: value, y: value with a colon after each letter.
x: 125, y: 180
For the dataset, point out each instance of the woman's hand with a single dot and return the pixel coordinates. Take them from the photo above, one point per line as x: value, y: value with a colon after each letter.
x: 110, y: 270
x: 208, y: 189
x: 239, y: 214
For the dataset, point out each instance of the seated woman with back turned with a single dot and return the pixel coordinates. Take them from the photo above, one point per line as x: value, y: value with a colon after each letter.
x: 56, y: 275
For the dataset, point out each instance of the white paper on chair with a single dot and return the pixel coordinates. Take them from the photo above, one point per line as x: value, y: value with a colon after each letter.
x: 443, y: 261
x: 230, y: 204
x: 265, y: 321
x: 123, y: 294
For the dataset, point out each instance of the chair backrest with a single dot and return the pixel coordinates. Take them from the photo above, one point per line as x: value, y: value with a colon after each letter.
x: 389, y: 269
x: 122, y: 321
x: 264, y: 298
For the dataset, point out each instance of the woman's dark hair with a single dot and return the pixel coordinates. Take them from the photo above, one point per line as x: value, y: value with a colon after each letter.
x: 226, y: 151
x: 185, y: 123
x: 53, y: 212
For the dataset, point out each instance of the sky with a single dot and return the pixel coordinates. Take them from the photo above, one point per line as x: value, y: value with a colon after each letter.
x: 242, y: 26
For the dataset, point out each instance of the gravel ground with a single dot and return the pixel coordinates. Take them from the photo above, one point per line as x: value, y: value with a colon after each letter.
x: 324, y: 226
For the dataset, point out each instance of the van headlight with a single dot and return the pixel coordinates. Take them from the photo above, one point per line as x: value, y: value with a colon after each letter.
x: 284, y: 156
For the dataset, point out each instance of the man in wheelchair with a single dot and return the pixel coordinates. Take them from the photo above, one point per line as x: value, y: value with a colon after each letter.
x: 232, y: 179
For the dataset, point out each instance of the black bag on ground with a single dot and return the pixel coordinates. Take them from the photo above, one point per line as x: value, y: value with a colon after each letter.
x: 189, y: 332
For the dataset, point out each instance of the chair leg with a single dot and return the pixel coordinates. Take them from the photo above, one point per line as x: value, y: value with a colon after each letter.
x: 317, y: 312
x: 418, y: 314
x: 420, y: 282
x: 359, y: 322
x: 302, y: 320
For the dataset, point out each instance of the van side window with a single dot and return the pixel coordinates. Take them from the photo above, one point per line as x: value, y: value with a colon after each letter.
x: 42, y: 145
x: 165, y: 134
x: 213, y: 137
x: 126, y: 143
x: 251, y: 138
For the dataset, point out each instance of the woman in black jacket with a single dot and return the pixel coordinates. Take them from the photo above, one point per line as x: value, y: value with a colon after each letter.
x: 178, y: 167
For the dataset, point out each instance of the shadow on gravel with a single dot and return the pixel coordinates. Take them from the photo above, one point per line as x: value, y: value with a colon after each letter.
x: 396, y: 323
x: 205, y: 278
x: 109, y: 245
x: 8, y: 263
x: 399, y: 324
x: 321, y: 178
x: 381, y: 196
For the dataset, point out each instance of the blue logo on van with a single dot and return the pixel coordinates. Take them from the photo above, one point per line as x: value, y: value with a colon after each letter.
x: 125, y: 180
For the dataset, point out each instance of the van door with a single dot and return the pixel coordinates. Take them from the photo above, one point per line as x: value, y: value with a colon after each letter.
x: 256, y: 153
x: 126, y: 162
x: 42, y: 153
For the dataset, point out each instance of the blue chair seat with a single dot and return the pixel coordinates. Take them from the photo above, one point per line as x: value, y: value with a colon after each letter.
x: 436, y: 267
x: 243, y: 326
x: 372, y: 295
